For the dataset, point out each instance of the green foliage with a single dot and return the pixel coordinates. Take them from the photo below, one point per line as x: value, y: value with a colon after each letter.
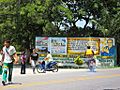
x: 7, y: 0
x: 67, y: 12
x: 78, y: 61
x: 22, y: 21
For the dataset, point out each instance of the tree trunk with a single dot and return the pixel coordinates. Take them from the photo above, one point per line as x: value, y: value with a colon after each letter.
x: 87, y: 21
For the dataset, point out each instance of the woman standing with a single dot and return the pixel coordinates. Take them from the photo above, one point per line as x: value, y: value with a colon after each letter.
x: 23, y: 63
x: 33, y: 59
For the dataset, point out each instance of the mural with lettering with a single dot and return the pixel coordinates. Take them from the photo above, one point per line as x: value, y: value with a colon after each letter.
x: 104, y: 48
x: 58, y: 45
x: 79, y: 45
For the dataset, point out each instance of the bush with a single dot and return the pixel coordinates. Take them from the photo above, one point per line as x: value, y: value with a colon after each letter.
x: 78, y: 61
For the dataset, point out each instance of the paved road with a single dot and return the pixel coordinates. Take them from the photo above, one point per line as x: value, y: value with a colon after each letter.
x: 66, y: 79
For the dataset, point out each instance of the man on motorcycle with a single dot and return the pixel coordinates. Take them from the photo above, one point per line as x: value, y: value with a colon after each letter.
x: 89, y: 54
x: 48, y: 59
x: 47, y: 64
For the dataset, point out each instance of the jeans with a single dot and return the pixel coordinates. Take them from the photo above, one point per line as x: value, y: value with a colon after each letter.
x: 43, y: 65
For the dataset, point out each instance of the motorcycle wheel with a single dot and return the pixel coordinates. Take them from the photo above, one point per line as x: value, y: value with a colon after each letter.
x: 55, y: 68
x: 39, y: 70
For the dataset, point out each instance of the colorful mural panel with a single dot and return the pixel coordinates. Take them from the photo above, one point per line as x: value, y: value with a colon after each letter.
x: 104, y: 48
x: 79, y: 45
x: 41, y: 43
x: 58, y: 45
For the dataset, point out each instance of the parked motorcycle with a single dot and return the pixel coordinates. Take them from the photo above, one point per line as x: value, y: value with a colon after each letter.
x: 52, y: 66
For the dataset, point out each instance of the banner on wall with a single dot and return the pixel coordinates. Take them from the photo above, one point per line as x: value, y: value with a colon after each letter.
x: 104, y: 48
x: 108, y: 52
x: 79, y: 45
x: 73, y: 45
x: 107, y: 47
x: 55, y: 45
x: 41, y: 43
x: 58, y: 45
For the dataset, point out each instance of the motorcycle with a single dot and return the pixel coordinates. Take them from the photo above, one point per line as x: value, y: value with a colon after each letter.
x: 52, y: 66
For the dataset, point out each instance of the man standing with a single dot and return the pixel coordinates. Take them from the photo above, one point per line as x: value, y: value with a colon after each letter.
x: 9, y: 57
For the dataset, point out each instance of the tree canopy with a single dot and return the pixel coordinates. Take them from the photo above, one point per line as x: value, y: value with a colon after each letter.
x: 23, y: 20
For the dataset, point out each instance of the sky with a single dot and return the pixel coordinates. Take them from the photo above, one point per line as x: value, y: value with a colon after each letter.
x: 82, y: 23
x: 79, y: 23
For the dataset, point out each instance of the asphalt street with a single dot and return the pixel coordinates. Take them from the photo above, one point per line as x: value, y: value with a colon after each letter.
x: 65, y: 79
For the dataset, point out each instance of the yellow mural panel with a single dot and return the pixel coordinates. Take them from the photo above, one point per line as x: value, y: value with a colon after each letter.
x: 79, y: 45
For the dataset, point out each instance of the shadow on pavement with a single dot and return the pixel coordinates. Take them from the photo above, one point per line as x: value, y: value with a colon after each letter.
x: 13, y: 84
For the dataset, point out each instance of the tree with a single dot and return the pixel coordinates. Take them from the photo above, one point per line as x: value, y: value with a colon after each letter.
x: 23, y: 20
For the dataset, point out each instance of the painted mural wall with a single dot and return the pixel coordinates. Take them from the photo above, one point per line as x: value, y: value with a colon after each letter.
x: 65, y: 47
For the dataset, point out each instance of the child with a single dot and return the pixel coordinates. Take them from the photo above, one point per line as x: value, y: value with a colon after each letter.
x: 23, y: 61
x: 92, y: 65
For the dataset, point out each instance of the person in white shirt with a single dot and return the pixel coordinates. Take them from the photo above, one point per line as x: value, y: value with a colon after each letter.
x: 48, y: 59
x: 9, y: 57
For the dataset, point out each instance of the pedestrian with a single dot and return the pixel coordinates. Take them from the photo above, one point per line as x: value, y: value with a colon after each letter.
x: 23, y: 63
x: 9, y: 57
x: 33, y: 59
x: 0, y: 62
